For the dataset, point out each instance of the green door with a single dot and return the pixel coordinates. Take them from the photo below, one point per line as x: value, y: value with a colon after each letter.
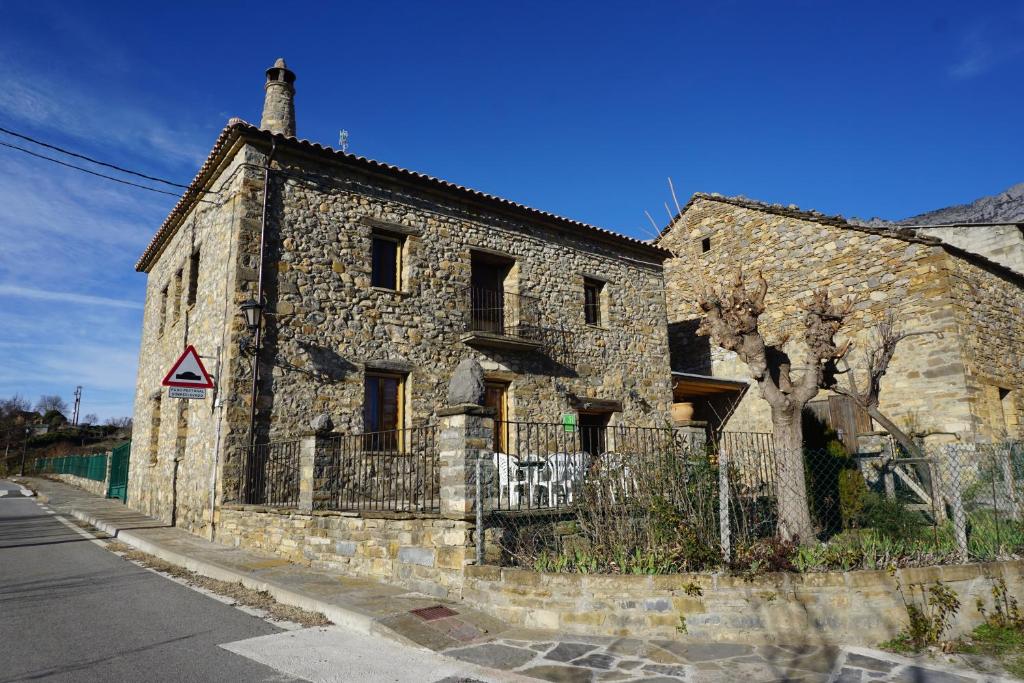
x: 118, y: 487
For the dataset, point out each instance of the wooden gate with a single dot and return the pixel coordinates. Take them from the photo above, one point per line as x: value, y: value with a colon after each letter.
x: 844, y: 417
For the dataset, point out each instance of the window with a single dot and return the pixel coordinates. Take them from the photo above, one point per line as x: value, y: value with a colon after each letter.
x: 705, y: 245
x: 387, y: 262
x: 592, y: 429
x: 382, y: 411
x: 496, y: 397
x: 193, y: 277
x: 177, y: 293
x: 154, y: 429
x: 163, y: 309
x: 1008, y: 407
x: 592, y: 301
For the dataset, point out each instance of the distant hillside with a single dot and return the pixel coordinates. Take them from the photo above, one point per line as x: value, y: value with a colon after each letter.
x: 1005, y: 206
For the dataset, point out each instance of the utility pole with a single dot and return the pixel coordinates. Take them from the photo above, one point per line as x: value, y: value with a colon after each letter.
x: 24, y: 448
x: 78, y: 402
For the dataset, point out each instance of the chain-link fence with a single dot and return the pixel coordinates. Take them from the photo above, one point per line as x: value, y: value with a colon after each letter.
x: 651, y: 501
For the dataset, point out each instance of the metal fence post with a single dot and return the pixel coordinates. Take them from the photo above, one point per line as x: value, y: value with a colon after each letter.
x: 724, y: 527
x: 479, y: 515
x: 956, y: 503
x: 1006, y: 461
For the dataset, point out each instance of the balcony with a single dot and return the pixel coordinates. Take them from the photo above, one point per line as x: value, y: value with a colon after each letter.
x: 502, y: 320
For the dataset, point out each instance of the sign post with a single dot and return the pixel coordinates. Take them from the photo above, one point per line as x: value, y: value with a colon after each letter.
x: 188, y: 378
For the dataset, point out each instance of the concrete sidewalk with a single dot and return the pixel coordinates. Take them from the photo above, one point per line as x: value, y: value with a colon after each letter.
x: 378, y: 609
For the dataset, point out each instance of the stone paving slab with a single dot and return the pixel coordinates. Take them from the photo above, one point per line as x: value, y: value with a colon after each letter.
x: 472, y: 636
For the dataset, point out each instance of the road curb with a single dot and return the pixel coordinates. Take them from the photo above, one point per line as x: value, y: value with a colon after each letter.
x: 341, y: 616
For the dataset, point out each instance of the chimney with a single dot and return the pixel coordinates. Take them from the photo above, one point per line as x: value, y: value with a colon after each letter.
x: 279, y: 101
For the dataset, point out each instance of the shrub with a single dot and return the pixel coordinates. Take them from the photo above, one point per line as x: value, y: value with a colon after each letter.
x: 853, y: 495
x: 890, y: 517
x: 766, y: 555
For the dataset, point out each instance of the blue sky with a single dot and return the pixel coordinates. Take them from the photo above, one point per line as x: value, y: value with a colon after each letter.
x: 583, y: 109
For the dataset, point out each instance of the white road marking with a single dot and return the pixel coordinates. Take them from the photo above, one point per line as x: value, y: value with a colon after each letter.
x: 333, y: 654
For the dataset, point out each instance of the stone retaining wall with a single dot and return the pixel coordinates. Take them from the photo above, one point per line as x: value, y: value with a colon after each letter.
x: 423, y: 553
x: 859, y: 607
x: 98, y: 488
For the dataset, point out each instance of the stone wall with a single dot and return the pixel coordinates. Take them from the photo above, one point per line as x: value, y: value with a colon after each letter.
x: 927, y: 384
x: 860, y: 607
x: 330, y: 326
x: 175, y: 441
x: 1002, y: 243
x: 423, y: 553
x: 989, y: 309
x: 98, y: 488
x: 325, y: 326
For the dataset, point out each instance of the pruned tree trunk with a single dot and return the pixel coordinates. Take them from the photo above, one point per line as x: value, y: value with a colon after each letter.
x: 731, y: 320
x: 790, y: 482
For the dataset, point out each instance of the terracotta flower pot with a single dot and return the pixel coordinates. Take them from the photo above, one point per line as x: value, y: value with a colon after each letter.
x: 682, y: 412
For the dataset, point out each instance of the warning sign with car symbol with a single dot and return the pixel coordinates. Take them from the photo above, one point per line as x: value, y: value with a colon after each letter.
x: 188, y: 373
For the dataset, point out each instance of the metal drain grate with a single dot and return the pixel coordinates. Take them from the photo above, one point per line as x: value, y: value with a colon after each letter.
x: 432, y: 613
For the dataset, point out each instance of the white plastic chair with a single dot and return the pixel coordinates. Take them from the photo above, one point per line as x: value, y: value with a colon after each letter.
x: 565, y: 471
x: 510, y: 478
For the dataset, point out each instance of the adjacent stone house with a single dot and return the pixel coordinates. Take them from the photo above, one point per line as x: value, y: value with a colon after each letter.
x: 966, y: 384
x: 373, y: 282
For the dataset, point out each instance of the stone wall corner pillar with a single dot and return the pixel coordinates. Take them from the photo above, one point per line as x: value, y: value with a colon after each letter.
x: 307, y: 462
x: 466, y: 436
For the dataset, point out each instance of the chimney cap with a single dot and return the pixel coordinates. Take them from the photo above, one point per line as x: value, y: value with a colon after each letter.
x: 280, y: 72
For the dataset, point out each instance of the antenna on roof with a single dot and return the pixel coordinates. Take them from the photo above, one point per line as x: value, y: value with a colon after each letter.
x: 343, y: 140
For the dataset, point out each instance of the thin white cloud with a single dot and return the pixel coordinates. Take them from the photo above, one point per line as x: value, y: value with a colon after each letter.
x: 66, y: 297
x: 986, y: 45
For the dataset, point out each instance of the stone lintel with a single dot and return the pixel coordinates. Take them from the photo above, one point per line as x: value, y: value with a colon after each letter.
x: 466, y: 409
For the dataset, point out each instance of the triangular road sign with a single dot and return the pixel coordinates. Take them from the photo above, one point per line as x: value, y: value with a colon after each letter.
x: 188, y: 371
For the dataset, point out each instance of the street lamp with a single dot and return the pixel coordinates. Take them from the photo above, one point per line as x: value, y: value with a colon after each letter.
x: 251, y: 310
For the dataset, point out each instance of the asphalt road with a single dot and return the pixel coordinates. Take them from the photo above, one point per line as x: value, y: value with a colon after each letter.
x: 72, y: 611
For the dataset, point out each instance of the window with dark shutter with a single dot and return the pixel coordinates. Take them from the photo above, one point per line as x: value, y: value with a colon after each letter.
x: 382, y: 411
x: 592, y: 301
x: 387, y: 254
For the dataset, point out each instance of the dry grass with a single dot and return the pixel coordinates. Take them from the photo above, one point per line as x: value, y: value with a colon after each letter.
x: 261, y: 600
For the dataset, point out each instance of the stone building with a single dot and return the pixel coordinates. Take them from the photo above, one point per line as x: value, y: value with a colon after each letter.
x: 966, y: 384
x: 373, y: 282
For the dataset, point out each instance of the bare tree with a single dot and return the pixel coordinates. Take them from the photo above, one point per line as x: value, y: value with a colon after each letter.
x: 90, y: 419
x: 49, y: 402
x: 879, y: 353
x: 120, y: 422
x: 730, y: 319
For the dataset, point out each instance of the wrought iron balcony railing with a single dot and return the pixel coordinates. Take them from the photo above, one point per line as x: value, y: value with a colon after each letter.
x: 503, y: 318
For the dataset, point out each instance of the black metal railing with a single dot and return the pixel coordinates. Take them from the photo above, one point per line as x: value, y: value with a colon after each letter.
x: 273, y: 474
x: 495, y: 311
x: 546, y: 466
x: 395, y: 470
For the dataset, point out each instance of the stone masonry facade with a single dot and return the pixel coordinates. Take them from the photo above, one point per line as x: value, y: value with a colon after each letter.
x: 968, y: 383
x: 325, y: 327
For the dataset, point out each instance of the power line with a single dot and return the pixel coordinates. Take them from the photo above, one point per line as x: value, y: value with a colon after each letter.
x: 90, y: 159
x: 85, y: 170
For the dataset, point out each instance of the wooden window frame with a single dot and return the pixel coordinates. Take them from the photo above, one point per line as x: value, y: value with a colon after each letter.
x: 193, y: 278
x: 399, y: 242
x: 593, y: 311
x: 178, y: 277
x: 401, y: 380
x: 163, y: 309
x: 500, y: 444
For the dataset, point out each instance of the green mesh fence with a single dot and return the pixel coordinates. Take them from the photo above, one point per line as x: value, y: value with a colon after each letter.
x: 86, y: 466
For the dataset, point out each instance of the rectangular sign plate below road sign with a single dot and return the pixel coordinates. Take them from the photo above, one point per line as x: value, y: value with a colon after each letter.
x: 185, y: 392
